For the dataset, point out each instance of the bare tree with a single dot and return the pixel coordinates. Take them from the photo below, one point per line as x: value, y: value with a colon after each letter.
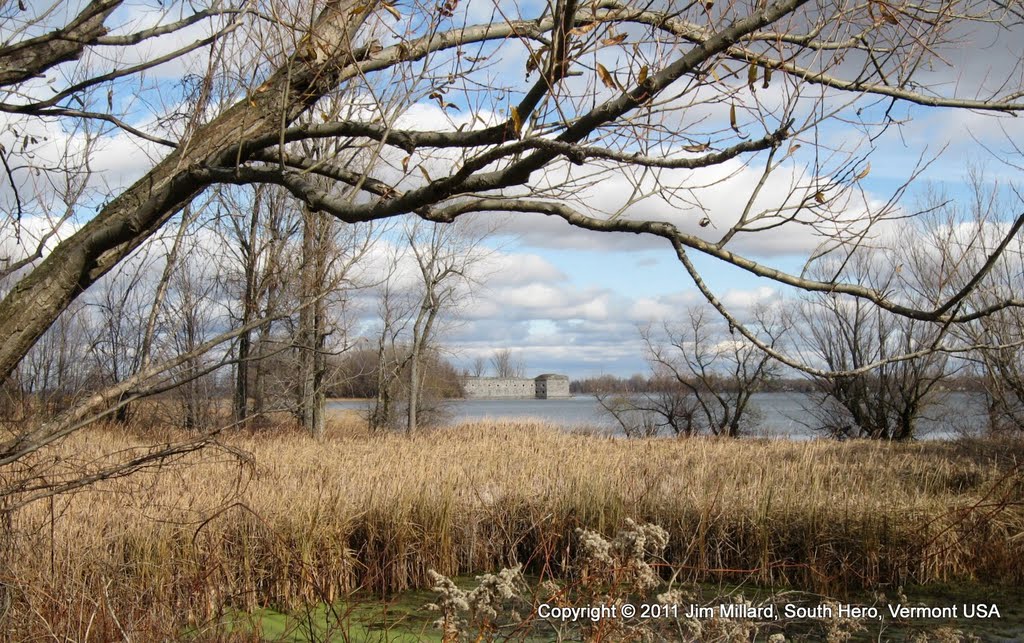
x: 283, y: 257
x: 845, y: 334
x: 610, y: 121
x: 393, y: 313
x: 119, y: 308
x: 53, y: 375
x: 311, y: 334
x: 330, y: 254
x: 256, y: 228
x: 478, y: 367
x: 947, y: 247
x: 663, y: 404
x: 193, y: 298
x: 505, y: 364
x: 441, y: 272
x: 430, y: 275
x: 719, y: 370
x: 667, y: 102
x: 446, y: 259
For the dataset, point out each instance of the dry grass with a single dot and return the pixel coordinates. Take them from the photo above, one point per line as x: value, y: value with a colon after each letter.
x: 310, y: 521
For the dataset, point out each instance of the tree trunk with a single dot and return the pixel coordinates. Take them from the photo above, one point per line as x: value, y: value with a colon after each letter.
x: 133, y: 216
x: 259, y: 379
x: 422, y: 331
x: 414, y: 390
x: 240, y: 404
x: 311, y: 336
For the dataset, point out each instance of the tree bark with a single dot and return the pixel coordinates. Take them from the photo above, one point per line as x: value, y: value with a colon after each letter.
x: 250, y: 295
x: 133, y: 216
x: 30, y: 58
x: 311, y: 334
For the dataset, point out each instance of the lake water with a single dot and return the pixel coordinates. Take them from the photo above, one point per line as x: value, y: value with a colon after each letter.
x: 782, y: 414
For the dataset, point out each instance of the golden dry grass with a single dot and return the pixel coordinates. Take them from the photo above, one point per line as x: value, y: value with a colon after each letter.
x: 309, y: 521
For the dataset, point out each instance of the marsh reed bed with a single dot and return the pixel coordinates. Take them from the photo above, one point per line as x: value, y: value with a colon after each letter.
x: 280, y: 519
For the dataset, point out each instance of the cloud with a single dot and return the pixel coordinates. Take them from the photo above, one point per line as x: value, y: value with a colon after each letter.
x: 705, y: 203
x: 529, y: 303
x: 504, y: 269
x: 580, y: 330
x: 49, y: 156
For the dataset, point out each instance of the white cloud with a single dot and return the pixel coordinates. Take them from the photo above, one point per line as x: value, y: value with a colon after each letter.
x: 507, y: 269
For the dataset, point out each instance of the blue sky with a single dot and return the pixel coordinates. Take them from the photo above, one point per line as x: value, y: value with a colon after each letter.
x: 570, y: 301
x: 632, y: 276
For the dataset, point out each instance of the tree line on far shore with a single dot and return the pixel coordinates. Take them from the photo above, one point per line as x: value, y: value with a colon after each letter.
x: 290, y: 291
x: 868, y: 372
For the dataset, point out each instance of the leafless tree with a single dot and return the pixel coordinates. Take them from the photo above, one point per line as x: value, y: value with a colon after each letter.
x: 442, y: 267
x: 282, y: 257
x: 669, y: 102
x: 663, y: 404
x: 1002, y: 371
x: 478, y: 367
x: 119, y: 310
x: 193, y: 296
x: 955, y: 241
x: 617, y: 89
x: 505, y: 364
x: 711, y: 372
x: 888, y: 401
x: 54, y: 374
x: 431, y: 271
x: 393, y: 314
x: 330, y: 254
x: 311, y: 334
x: 255, y: 227
x: 446, y: 262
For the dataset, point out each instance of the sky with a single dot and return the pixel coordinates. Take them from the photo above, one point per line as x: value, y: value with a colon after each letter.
x: 578, y: 308
x: 569, y: 301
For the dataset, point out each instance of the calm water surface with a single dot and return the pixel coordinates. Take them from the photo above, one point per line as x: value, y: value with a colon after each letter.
x: 782, y: 414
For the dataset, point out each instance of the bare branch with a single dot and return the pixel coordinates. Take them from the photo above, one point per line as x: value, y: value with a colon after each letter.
x: 29, y: 58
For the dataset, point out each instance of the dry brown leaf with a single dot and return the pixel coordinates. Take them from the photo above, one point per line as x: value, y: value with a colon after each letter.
x: 732, y: 118
x: 517, y: 120
x: 696, y: 148
x: 819, y: 196
x: 863, y: 173
x: 887, y: 14
x: 751, y: 76
x: 614, y: 40
x: 535, y: 59
x: 583, y: 29
x: 606, y: 77
x: 423, y: 171
x: 641, y: 78
x: 391, y: 9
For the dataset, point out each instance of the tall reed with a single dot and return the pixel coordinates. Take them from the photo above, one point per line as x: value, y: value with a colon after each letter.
x: 306, y: 521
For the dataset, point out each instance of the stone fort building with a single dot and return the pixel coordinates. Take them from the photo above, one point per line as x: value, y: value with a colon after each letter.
x: 542, y: 387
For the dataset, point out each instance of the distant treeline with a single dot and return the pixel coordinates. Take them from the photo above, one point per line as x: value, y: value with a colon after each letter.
x: 355, y: 373
x: 639, y: 383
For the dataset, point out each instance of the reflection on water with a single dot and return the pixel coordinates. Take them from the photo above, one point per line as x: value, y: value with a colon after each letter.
x: 781, y: 414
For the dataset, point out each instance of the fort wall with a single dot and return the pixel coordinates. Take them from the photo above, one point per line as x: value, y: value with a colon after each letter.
x: 543, y: 387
